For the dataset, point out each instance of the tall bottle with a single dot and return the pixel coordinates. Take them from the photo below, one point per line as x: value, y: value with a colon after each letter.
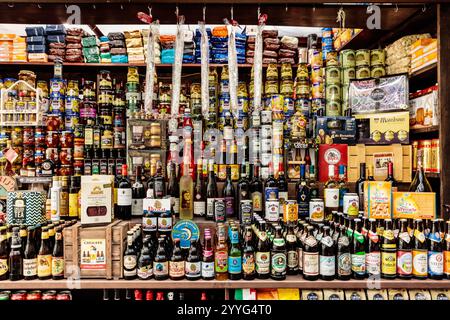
x: 327, y: 256
x: 292, y: 253
x: 130, y: 259
x: 359, y: 187
x: 390, y: 176
x: 271, y: 185
x: 420, y: 182
x: 173, y: 189
x: 243, y: 190
x: 137, y: 194
x: 234, y: 256
x: 229, y: 194
x: 248, y: 255
x: 373, y: 253
x: 282, y: 186
x: 310, y: 256
x: 58, y: 256
x: 186, y: 193
x: 303, y: 194
x: 55, y: 194
x: 44, y: 258
x: 64, y: 197
x: 435, y: 253
x: 343, y: 256
x: 370, y: 173
x: 278, y: 256
x: 211, y: 191
x: 419, y: 251
x: 161, y: 262
x: 4, y: 270
x: 145, y: 261
x: 177, y: 262
x: 256, y: 189
x: 312, y: 183
x: 221, y: 254
x: 30, y: 257
x: 74, y: 197
x: 193, y: 269
x: 208, y: 257
x: 200, y: 191
x: 159, y: 183
x: 331, y: 193
x: 124, y: 196
x: 404, y: 251
x: 388, y: 252
x: 343, y: 187
x: 447, y: 250
x: 15, y: 261
x: 263, y: 253
x: 358, y: 252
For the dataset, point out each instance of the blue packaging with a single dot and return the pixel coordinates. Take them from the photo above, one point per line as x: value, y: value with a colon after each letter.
x: 56, y: 29
x: 56, y: 38
x: 35, y: 31
x: 36, y: 40
x: 36, y: 48
x: 119, y: 58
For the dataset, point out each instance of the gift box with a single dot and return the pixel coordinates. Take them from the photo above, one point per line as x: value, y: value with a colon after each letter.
x: 25, y: 207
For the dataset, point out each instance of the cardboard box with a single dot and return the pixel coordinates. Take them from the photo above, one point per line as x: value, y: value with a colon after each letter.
x: 377, y: 199
x: 335, y: 130
x: 96, y: 199
x: 312, y: 295
x: 336, y: 294
x: 383, y: 128
x: 25, y: 207
x: 373, y: 294
x: 357, y: 294
x: 440, y: 294
x: 414, y: 205
x: 419, y: 295
x: 401, y: 294
x: 424, y: 108
x: 335, y: 154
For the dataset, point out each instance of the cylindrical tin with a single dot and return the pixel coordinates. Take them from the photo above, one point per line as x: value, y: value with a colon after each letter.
x: 316, y: 210
x: 377, y: 57
x: 362, y: 57
x: 302, y: 55
x: 272, y: 210
x: 290, y: 211
x: 19, y: 295
x: 377, y: 72
x: 332, y: 75
x: 49, y: 295
x: 362, y: 72
x: 347, y: 58
x: 246, y: 211
x: 351, y: 205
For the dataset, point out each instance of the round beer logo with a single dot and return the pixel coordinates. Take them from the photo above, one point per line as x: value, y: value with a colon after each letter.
x: 332, y: 156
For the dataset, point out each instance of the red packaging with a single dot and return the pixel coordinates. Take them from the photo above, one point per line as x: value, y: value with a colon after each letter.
x: 149, y: 295
x: 64, y: 295
x: 66, y: 139
x: 28, y: 156
x: 53, y: 123
x: 335, y: 154
x: 52, y: 154
x: 39, y: 136
x: 65, y: 170
x: 28, y: 136
x: 34, y: 295
x: 49, y: 295
x: 19, y: 295
x: 65, y: 156
x: 52, y: 139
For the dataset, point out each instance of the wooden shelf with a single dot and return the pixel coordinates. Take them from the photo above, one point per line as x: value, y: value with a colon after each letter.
x: 290, y: 282
x: 30, y: 180
x: 432, y: 68
x: 431, y: 129
x: 363, y: 40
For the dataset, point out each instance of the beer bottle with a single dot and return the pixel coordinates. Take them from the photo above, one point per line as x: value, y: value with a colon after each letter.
x: 243, y: 193
x: 130, y: 259
x: 344, y: 259
x: 435, y: 253
x: 358, y: 251
x: 228, y: 193
x: 145, y: 262
x: 30, y: 257
x: 4, y: 270
x: 23, y: 237
x: 327, y: 258
x: 278, y: 256
x: 303, y: 194
x: 58, y: 256
x: 51, y: 235
x: 208, y: 257
x: 173, y: 189
x: 44, y: 266
x: 211, y: 191
x: 263, y: 253
x: 193, y: 269
x: 234, y: 256
x: 310, y: 256
x: 176, y: 263
x: 256, y: 189
x: 373, y: 254
x: 388, y: 252
x: 15, y: 257
x: 447, y: 250
x: 404, y: 251
x: 292, y: 253
x: 161, y: 264
x: 199, y: 192
x: 419, y: 251
x: 221, y: 253
x: 248, y: 255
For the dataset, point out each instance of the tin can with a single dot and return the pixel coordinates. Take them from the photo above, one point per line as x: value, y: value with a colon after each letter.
x: 219, y: 210
x: 347, y: 58
x: 347, y: 75
x: 276, y: 102
x: 332, y: 75
x: 288, y: 106
x: 317, y: 90
x: 425, y: 145
x: 78, y: 149
x: 351, y: 204
x: 272, y: 210
x: 19, y: 295
x: 72, y: 104
x: 266, y: 116
x: 377, y: 57
x: 362, y: 72
x: 316, y: 74
x: 333, y: 108
x: 333, y: 92
x: 377, y: 72
x: 290, y: 211
x: 49, y: 295
x: 315, y: 58
x: 34, y: 295
x: 362, y: 57
x: 39, y: 154
x: 332, y: 59
x: 39, y: 136
x: 435, y: 154
x: 64, y: 295
x: 65, y: 170
x: 5, y: 295
x: 302, y: 55
x: 316, y: 210
x: 246, y: 211
x: 317, y: 105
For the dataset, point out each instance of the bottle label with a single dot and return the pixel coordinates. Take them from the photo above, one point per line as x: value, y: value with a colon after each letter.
x: 124, y: 197
x: 358, y: 236
x: 229, y: 206
x: 3, y: 266
x: 310, y: 263
x: 130, y: 262
x: 373, y: 263
x: 44, y: 268
x: 207, y: 269
x: 137, y: 207
x: 447, y: 262
x: 420, y: 263
x: 150, y: 223
x: 435, y: 263
x: 234, y: 265
x: 185, y: 201
x: 164, y: 223
x: 271, y: 193
x: 435, y: 237
x: 248, y: 263
x: 221, y: 261
x: 210, y: 207
x: 359, y: 263
x: 300, y: 258
x: 57, y: 266
x: 419, y: 235
x: 282, y: 196
x: 29, y: 267
x: 388, y: 262
x: 257, y: 201
x: 292, y: 259
x: 175, y: 202
x: 404, y: 262
x: 199, y: 208
x: 279, y: 263
x: 145, y: 272
x: 176, y: 268
x: 344, y: 264
x: 331, y: 198
x: 327, y: 265
x: 327, y: 241
x: 193, y: 269
x: 161, y: 268
x: 263, y: 262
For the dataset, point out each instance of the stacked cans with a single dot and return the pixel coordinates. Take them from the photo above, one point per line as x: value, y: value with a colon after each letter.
x: 133, y: 95
x: 333, y: 90
x: 327, y: 42
x: 59, y: 144
x: 348, y: 72
x: 242, y: 121
x: 224, y: 96
x: 17, y: 145
x: 72, y: 106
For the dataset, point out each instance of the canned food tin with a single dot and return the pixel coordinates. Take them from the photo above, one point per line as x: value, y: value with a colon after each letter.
x: 333, y: 92
x: 290, y: 212
x: 272, y: 210
x: 219, y: 210
x: 28, y: 156
x: 17, y: 136
x: 72, y: 104
x: 53, y: 122
x: 49, y: 295
x: 57, y: 105
x: 332, y: 59
x: 246, y: 211
x: 377, y: 72
x: 34, y: 295
x: 66, y: 156
x: 315, y: 58
x: 333, y: 108
x: 317, y: 105
x: 362, y: 57
x: 351, y: 205
x: 71, y: 120
x: 39, y: 155
x: 347, y: 58
x: 302, y: 55
x: 276, y: 102
x: 39, y: 136
x: 224, y: 87
x: 64, y: 295
x: 52, y: 154
x: 347, y: 75
x: 28, y: 136
x: 332, y: 75
x: 316, y: 74
x: 362, y: 72
x: 317, y: 90
x: 271, y: 87
x: 132, y: 86
x: 4, y: 295
x: 57, y: 85
x: 66, y: 139
x: 52, y: 139
x: 377, y: 57
x: 19, y: 295
x: 242, y: 104
x: 303, y: 87
x: 316, y: 210
x: 266, y: 116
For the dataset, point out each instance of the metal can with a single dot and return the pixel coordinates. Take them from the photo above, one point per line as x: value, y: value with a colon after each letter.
x: 290, y: 211
x: 5, y: 295
x: 317, y: 105
x: 347, y: 75
x: 316, y: 210
x: 347, y: 58
x: 246, y: 211
x: 377, y: 57
x: 332, y: 75
x: 351, y: 205
x: 219, y: 210
x: 315, y: 58
x: 39, y: 136
x: 332, y: 59
x: 362, y: 72
x: 52, y: 139
x: 64, y: 295
x: 362, y: 57
x: 52, y: 154
x: 272, y: 210
x: 19, y: 295
x: 34, y: 295
x: 333, y: 92
x: 316, y: 74
x: 377, y: 72
x: 39, y: 154
x: 49, y: 295
x: 333, y: 108
x: 28, y: 156
x: 276, y: 103
x: 317, y: 90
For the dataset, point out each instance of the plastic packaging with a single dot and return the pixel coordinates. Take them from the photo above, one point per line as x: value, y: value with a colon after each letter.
x: 176, y: 70
x: 232, y: 70
x: 257, y: 68
x: 150, y: 70
x: 204, y: 54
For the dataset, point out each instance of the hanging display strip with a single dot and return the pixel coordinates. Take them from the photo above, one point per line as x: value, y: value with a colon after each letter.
x: 204, y: 55
x: 153, y: 35
x: 177, y: 66
x: 232, y: 69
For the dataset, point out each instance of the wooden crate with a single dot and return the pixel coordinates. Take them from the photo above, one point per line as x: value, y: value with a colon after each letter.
x: 114, y: 237
x: 402, y: 158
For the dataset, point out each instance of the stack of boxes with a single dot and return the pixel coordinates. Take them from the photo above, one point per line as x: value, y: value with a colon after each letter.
x: 56, y: 39
x: 219, y: 45
x: 135, y: 47
x: 423, y: 53
x: 198, y: 44
x: 156, y: 47
x: 117, y: 47
x: 36, y: 44
x: 91, y: 52
x: 189, y: 47
x: 19, y: 53
x: 167, y: 48
x: 105, y: 51
x: 271, y: 46
x: 74, y: 51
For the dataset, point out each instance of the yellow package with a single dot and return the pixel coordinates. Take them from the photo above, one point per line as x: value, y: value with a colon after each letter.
x: 414, y: 205
x: 398, y: 294
x: 355, y: 294
x: 288, y: 294
x: 267, y: 294
x: 377, y: 295
x: 377, y: 199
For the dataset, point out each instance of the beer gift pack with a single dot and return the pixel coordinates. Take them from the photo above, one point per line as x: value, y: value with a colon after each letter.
x: 96, y: 199
x: 414, y: 205
x: 335, y: 154
x: 25, y: 207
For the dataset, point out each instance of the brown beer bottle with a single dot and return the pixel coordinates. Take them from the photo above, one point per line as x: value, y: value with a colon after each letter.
x: 310, y: 256
x: 388, y: 252
x: 404, y: 251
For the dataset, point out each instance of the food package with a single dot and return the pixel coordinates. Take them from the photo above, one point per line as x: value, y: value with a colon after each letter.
x: 289, y: 42
x: 135, y: 51
x: 271, y: 41
x: 270, y: 54
x: 57, y: 52
x: 73, y: 39
x: 119, y: 58
x: 398, y: 62
x: 37, y: 57
x: 395, y: 294
x: 270, y: 33
x: 378, y: 295
x: 96, y: 199
x: 312, y: 295
x: 36, y: 40
x: 116, y: 51
x: 286, y: 53
x: 414, y: 205
x: 419, y: 294
x: 286, y: 60
x: 220, y: 32
x: 90, y: 41
x: 56, y: 38
x: 354, y: 295
x: 401, y: 47
x: 377, y: 199
x: 31, y: 48
x: 55, y: 29
x: 133, y: 43
x: 74, y: 52
x: 269, y: 60
x: 57, y: 45
x: 74, y: 32
x: 288, y: 294
x: 116, y: 36
x: 34, y: 31
x: 74, y: 58
x: 132, y: 34
x: 383, y: 128
x: 424, y: 108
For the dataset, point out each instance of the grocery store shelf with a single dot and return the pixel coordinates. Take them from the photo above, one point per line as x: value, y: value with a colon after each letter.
x: 431, y: 129
x: 110, y: 65
x: 291, y: 282
x: 363, y: 39
x: 432, y: 68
